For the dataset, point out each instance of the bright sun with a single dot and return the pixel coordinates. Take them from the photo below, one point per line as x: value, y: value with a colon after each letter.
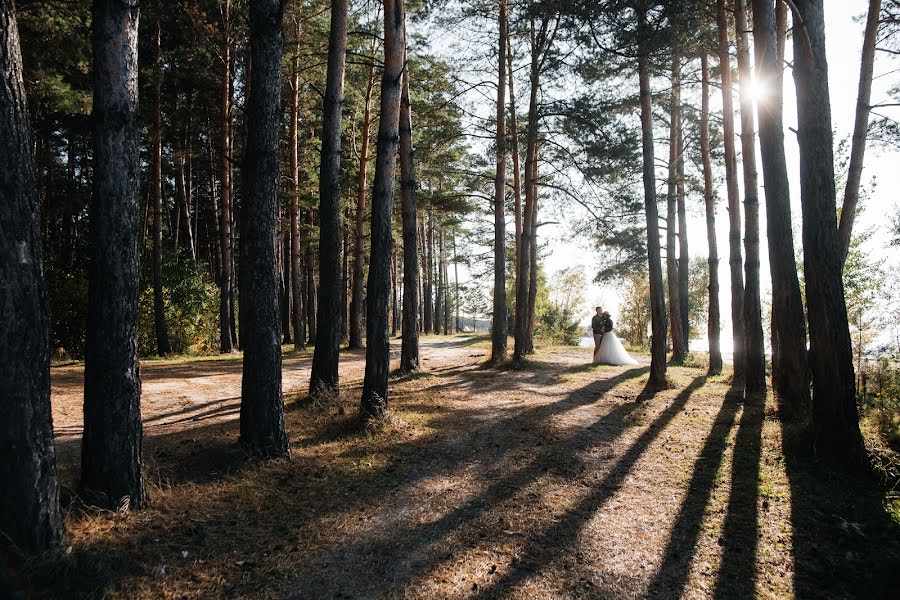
x: 758, y: 91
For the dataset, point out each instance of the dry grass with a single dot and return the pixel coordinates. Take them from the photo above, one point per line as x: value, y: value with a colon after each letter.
x: 556, y: 479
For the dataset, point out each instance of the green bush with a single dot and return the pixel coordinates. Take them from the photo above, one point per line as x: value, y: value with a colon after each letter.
x: 191, y: 307
x: 879, y: 399
x: 558, y: 327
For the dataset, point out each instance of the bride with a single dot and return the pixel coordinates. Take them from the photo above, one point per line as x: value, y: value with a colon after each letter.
x: 611, y: 350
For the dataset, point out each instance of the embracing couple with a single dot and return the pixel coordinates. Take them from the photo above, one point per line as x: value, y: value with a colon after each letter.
x: 608, y: 350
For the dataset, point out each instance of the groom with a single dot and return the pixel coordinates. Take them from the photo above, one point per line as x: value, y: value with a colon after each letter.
x: 598, y: 326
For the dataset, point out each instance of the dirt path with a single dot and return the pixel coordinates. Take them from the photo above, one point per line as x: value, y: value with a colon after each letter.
x: 556, y: 480
x: 179, y: 395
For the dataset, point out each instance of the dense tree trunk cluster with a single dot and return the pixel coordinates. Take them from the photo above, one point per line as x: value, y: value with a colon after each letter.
x: 302, y: 265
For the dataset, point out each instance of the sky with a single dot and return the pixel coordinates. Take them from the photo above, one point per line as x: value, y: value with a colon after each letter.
x: 844, y: 43
x: 845, y: 20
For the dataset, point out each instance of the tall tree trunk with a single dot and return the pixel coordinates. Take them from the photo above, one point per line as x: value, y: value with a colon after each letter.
x: 310, y: 272
x: 713, y: 330
x: 442, y: 278
x: 734, y: 207
x: 676, y: 331
x: 262, y: 407
x: 657, y: 296
x: 754, y: 344
x: 790, y: 374
x: 296, y: 272
x: 182, y: 201
x: 215, y: 252
x: 159, y: 313
x: 345, y: 277
x: 425, y: 305
x: 226, y: 309
x: 860, y: 130
x: 684, y: 259
x: 29, y: 498
x: 439, y: 284
x: 375, y: 384
x: 111, y: 470
x: 356, y: 297
x: 395, y: 305
x: 499, y: 334
x: 448, y: 328
x: 514, y: 146
x: 429, y: 273
x: 285, y: 288
x: 457, y: 323
x: 532, y: 255
x: 523, y: 252
x: 835, y: 420
x: 324, y: 375
x: 409, y: 348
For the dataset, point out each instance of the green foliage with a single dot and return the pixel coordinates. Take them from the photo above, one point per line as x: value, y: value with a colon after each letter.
x: 698, y: 296
x: 558, y: 326
x: 191, y: 306
x: 634, y: 319
x: 879, y: 399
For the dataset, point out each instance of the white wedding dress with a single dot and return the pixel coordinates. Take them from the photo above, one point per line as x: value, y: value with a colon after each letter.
x: 612, y: 352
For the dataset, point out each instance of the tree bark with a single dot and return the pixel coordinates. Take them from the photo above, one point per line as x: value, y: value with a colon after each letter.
x: 754, y: 344
x: 523, y: 252
x: 29, y: 498
x: 514, y: 145
x: 296, y: 273
x: 684, y: 259
x: 713, y: 330
x: 324, y: 376
x: 226, y: 310
x: 499, y: 333
x: 409, y: 348
x: 284, y: 290
x: 835, y: 420
x: 532, y: 254
x: 159, y: 313
x: 430, y: 304
x: 395, y: 290
x: 860, y: 130
x: 182, y: 200
x: 676, y: 331
x: 734, y: 207
x: 345, y: 276
x: 262, y: 407
x: 375, y: 384
x: 356, y: 297
x: 111, y: 469
x: 457, y: 322
x: 657, y: 297
x: 439, y: 287
x: 447, y: 327
x: 310, y: 272
x: 790, y: 374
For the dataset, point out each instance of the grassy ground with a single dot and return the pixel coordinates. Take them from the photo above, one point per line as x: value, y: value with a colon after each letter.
x: 556, y: 479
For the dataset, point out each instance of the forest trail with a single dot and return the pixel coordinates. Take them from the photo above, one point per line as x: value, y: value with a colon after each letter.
x: 176, y: 394
x: 559, y: 479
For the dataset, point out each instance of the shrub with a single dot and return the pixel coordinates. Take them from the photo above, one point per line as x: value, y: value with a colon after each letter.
x: 558, y: 327
x: 191, y: 307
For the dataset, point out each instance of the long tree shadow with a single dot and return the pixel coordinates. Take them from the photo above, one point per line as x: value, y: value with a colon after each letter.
x: 413, y: 551
x: 737, y: 573
x: 264, y: 505
x: 679, y: 553
x: 560, y: 537
x: 844, y: 543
